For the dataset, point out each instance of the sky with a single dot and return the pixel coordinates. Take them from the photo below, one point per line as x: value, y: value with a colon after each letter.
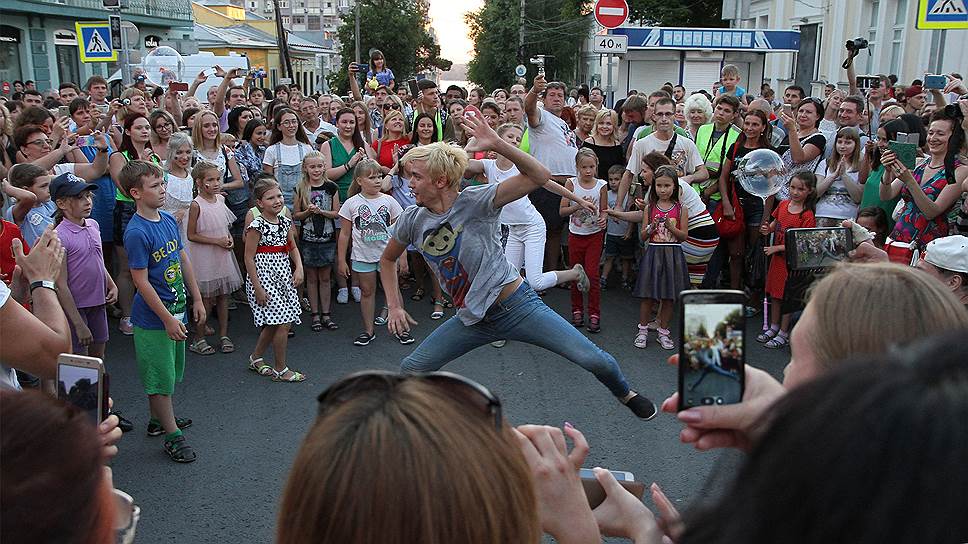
x: 448, y: 22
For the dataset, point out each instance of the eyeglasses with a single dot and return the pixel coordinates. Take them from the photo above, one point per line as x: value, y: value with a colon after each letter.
x: 391, y: 106
x: 663, y: 114
x: 459, y: 387
x: 164, y: 126
x: 43, y: 142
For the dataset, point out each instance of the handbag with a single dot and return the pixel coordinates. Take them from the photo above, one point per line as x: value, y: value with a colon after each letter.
x: 730, y: 228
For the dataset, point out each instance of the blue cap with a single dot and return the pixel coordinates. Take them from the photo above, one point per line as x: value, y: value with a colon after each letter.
x: 68, y: 184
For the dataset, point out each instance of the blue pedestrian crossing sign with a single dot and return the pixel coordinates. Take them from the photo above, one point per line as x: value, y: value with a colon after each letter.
x: 94, y: 42
x: 942, y: 14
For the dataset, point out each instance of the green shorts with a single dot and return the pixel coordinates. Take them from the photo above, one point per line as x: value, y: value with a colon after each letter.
x: 161, y: 360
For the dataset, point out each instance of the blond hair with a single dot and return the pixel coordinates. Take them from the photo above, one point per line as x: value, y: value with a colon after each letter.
x: 729, y: 70
x: 865, y: 309
x: 611, y: 115
x: 408, y: 463
x: 128, y: 93
x: 587, y: 109
x: 198, y: 171
x: 197, y: 131
x: 364, y: 168
x: 301, y: 194
x: 389, y: 117
x: 442, y: 160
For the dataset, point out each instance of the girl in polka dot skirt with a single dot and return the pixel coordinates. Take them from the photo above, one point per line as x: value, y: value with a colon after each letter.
x: 274, y: 273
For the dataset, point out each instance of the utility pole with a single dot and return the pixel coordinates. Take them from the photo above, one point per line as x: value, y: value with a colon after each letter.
x: 282, y: 43
x: 521, y: 35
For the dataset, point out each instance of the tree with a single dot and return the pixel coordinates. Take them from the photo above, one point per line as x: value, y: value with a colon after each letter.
x: 556, y: 28
x: 688, y: 13
x: 398, y: 28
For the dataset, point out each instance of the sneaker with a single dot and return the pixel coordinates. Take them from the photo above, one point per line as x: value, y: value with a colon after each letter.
x: 357, y: 294
x: 123, y: 423
x: 363, y: 339
x: 125, y: 326
x: 594, y: 324
x: 642, y: 338
x: 155, y: 429
x: 665, y: 339
x: 583, y: 284
x: 499, y: 343
x: 640, y: 406
x: 179, y: 450
x: 405, y: 338
x: 342, y: 295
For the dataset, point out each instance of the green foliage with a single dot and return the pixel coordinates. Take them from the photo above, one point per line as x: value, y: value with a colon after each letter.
x: 398, y: 28
x: 556, y: 28
x: 559, y: 28
x: 689, y: 13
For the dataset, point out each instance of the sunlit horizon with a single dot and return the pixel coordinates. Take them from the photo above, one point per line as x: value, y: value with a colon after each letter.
x: 447, y: 18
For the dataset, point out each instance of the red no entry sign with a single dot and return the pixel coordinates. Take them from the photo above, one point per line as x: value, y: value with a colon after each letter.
x: 611, y: 13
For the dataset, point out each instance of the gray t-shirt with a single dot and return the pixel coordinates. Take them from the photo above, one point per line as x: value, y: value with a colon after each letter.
x: 463, y: 247
x: 553, y: 144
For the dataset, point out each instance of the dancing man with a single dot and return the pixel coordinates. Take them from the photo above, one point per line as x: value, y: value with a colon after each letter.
x: 459, y: 235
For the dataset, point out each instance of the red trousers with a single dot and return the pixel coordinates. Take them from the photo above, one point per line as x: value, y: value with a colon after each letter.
x: 586, y: 250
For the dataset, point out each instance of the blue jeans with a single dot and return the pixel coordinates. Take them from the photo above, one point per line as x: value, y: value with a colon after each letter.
x: 525, y: 318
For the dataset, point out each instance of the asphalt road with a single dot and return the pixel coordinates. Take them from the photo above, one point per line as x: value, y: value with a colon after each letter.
x: 247, y: 429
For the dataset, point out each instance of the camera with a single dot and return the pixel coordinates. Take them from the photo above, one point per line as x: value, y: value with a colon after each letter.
x: 865, y: 83
x: 954, y: 110
x: 857, y: 44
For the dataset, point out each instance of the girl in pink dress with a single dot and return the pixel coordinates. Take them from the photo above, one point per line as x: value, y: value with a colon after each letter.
x: 210, y: 245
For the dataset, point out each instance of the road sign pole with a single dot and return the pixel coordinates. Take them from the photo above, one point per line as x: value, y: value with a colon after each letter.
x: 608, y: 87
x: 124, y: 57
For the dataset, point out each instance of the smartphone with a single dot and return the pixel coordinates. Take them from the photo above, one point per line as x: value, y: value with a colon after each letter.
x: 594, y: 491
x: 820, y: 247
x: 712, y: 348
x: 85, y: 141
x: 471, y: 111
x: 178, y: 86
x: 905, y: 146
x: 935, y: 81
x: 412, y: 85
x: 82, y: 382
x: 788, y: 110
x: 63, y: 111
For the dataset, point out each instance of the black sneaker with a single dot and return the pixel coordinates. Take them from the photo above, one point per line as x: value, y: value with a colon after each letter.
x: 405, y: 338
x: 179, y: 450
x: 155, y: 429
x: 364, y: 339
x: 123, y: 423
x: 641, y: 406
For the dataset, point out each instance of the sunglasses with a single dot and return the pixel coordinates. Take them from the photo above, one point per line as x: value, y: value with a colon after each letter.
x: 391, y: 106
x: 459, y: 387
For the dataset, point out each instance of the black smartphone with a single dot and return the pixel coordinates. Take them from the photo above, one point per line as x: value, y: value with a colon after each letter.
x: 712, y: 349
x: 82, y: 382
x: 821, y: 247
x: 594, y: 491
x: 414, y: 91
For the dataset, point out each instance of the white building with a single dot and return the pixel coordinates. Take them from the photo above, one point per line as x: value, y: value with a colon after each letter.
x: 896, y: 45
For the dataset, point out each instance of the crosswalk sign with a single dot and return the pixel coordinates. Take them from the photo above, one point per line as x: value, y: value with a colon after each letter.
x: 942, y: 14
x: 94, y: 42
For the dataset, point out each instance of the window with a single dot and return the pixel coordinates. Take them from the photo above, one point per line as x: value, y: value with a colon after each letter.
x: 253, y: 5
x: 314, y: 23
x: 872, y: 35
x: 286, y: 20
x: 299, y: 20
x: 897, y: 38
x: 283, y: 3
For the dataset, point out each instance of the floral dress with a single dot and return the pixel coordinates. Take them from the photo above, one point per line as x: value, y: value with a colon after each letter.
x: 912, y: 225
x: 273, y: 267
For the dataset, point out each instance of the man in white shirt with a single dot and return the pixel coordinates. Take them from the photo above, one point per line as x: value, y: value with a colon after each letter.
x: 554, y: 145
x: 312, y: 123
x: 680, y: 150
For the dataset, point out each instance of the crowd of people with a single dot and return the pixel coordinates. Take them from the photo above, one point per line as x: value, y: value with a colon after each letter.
x: 166, y: 212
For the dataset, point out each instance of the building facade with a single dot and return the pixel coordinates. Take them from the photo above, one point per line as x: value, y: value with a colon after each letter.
x: 38, y: 40
x: 303, y: 15
x: 896, y: 45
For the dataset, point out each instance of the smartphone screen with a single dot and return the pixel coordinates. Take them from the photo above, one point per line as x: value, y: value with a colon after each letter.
x: 80, y: 385
x: 817, y: 247
x: 711, y: 352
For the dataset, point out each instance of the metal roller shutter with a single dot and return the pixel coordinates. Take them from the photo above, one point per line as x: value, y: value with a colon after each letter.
x: 646, y: 76
x: 700, y: 75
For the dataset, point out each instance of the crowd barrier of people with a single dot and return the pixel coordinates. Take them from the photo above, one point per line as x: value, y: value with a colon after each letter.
x: 159, y: 213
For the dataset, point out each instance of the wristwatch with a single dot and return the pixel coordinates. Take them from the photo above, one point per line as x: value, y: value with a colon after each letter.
x: 46, y: 284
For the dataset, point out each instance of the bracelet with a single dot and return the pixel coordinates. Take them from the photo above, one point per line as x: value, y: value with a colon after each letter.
x: 46, y: 284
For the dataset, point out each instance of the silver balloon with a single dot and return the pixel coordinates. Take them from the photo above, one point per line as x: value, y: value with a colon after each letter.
x: 162, y: 65
x: 761, y: 172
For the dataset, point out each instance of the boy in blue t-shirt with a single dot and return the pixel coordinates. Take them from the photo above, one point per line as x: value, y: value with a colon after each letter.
x: 731, y: 78
x: 160, y: 271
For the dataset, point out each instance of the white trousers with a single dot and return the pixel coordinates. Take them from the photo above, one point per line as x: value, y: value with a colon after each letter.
x: 525, y: 247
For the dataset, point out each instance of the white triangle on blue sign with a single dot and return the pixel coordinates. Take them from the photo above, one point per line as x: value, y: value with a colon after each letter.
x: 97, y: 44
x: 948, y: 7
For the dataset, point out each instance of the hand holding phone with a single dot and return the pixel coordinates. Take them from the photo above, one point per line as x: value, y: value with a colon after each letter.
x: 712, y: 349
x: 81, y: 381
x: 817, y: 247
x: 595, y: 492
x: 178, y: 86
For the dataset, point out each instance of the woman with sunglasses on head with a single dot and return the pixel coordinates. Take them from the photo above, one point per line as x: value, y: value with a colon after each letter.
x: 162, y: 127
x: 394, y: 138
x: 381, y: 440
x: 803, y: 146
x: 458, y: 234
